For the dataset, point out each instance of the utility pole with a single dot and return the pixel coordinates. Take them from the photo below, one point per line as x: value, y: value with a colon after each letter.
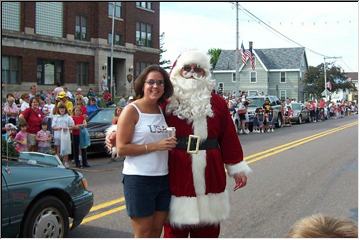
x: 237, y: 47
x: 325, y: 73
x: 112, y: 52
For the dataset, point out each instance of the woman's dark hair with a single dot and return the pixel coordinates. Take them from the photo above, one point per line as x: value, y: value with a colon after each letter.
x: 34, y: 99
x: 61, y: 105
x: 140, y: 81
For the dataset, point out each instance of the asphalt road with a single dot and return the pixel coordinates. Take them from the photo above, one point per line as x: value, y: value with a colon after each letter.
x: 297, y: 171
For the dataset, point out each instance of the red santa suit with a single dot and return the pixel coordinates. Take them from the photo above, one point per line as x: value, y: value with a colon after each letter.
x: 198, y: 181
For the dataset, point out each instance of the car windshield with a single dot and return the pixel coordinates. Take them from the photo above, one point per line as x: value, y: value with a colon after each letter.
x: 296, y: 106
x: 36, y: 158
x: 256, y: 102
x: 103, y: 116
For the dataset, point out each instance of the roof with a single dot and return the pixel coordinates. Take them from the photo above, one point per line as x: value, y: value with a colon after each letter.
x: 272, y: 58
x: 352, y: 75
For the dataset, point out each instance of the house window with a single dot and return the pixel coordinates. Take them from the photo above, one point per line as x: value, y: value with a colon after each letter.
x: 10, y: 16
x: 282, y: 94
x: 233, y: 76
x: 146, y: 5
x: 220, y: 88
x: 282, y: 77
x: 253, y: 77
x: 118, y: 39
x: 49, y: 18
x: 253, y: 93
x: 81, y: 28
x: 143, y: 34
x: 139, y: 67
x: 82, y: 73
x: 10, y: 69
x: 117, y: 13
x: 49, y: 72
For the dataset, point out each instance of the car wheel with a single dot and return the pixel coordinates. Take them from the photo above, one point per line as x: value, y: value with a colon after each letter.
x: 48, y: 217
x: 300, y: 119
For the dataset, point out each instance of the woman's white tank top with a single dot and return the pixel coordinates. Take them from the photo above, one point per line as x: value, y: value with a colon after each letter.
x: 149, y: 128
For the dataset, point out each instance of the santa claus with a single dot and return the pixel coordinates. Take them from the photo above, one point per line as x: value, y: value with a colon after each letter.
x: 207, y: 141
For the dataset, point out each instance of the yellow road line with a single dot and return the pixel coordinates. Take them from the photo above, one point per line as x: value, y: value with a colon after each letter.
x: 250, y: 159
x: 293, y: 142
x: 303, y: 141
x: 103, y: 214
x: 107, y: 204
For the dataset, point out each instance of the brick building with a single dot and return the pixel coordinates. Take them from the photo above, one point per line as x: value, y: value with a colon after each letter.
x: 46, y: 43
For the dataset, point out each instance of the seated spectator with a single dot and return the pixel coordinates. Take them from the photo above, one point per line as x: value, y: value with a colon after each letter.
x: 92, y: 107
x: 320, y: 226
x: 107, y: 98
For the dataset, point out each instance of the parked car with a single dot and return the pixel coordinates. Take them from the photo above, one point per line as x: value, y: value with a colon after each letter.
x: 96, y: 126
x: 300, y: 113
x: 40, y: 197
x: 258, y: 101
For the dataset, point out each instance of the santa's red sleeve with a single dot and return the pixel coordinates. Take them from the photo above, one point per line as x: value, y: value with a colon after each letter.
x: 229, y: 142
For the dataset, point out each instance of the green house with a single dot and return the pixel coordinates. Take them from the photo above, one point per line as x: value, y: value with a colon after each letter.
x: 278, y: 71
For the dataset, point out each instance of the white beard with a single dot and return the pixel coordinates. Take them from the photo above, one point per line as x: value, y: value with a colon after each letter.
x: 191, y: 98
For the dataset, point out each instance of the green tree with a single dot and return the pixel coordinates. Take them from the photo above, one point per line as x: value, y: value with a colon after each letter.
x: 315, y: 84
x: 214, y: 54
x: 163, y: 62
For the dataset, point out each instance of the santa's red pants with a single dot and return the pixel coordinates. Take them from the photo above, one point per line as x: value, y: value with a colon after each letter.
x: 211, y: 231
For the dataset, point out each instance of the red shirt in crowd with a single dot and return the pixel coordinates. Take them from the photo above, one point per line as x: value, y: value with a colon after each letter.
x: 34, y: 119
x: 77, y: 120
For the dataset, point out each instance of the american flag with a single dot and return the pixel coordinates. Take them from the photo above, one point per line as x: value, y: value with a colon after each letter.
x: 252, y: 56
x: 245, y: 54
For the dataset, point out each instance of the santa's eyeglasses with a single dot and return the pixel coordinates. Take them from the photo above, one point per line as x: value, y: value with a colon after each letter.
x: 196, y: 69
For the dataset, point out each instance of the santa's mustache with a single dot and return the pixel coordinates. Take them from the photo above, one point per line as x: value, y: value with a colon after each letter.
x: 193, y: 75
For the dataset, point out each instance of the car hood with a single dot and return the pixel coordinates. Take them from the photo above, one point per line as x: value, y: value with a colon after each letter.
x: 21, y: 172
x: 97, y: 127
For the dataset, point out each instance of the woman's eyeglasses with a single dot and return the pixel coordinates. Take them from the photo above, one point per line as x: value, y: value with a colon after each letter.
x: 152, y: 82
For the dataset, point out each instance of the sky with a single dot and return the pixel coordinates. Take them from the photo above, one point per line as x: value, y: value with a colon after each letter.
x: 327, y: 28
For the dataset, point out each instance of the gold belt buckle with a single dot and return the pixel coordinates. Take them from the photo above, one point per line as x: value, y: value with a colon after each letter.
x: 197, y: 144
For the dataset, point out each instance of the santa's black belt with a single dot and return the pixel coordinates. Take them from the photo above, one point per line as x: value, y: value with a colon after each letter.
x: 196, y: 143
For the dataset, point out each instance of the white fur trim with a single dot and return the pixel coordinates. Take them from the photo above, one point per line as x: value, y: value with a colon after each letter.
x: 205, y: 209
x: 108, y: 131
x: 238, y: 167
x: 199, y: 160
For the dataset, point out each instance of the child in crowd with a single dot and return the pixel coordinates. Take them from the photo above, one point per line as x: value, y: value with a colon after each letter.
x: 269, y: 121
x: 61, y: 122
x: 258, y: 121
x: 80, y: 121
x: 288, y: 114
x: 117, y: 113
x: 43, y: 138
x: 21, y: 137
x: 320, y: 226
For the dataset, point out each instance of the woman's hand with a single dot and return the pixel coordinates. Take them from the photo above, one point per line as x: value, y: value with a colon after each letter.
x: 166, y: 144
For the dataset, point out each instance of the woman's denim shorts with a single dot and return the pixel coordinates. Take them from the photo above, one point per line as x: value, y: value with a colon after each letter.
x: 144, y: 195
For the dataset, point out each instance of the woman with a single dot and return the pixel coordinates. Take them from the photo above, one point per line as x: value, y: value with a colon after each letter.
x: 11, y: 111
x: 143, y: 140
x: 34, y: 117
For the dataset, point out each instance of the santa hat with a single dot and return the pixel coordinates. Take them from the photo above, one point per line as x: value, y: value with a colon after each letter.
x: 191, y: 57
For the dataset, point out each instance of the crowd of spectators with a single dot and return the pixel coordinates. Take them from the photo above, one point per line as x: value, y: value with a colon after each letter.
x: 263, y: 120
x: 35, y: 121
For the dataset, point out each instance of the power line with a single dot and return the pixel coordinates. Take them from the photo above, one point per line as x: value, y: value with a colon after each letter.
x: 273, y: 29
